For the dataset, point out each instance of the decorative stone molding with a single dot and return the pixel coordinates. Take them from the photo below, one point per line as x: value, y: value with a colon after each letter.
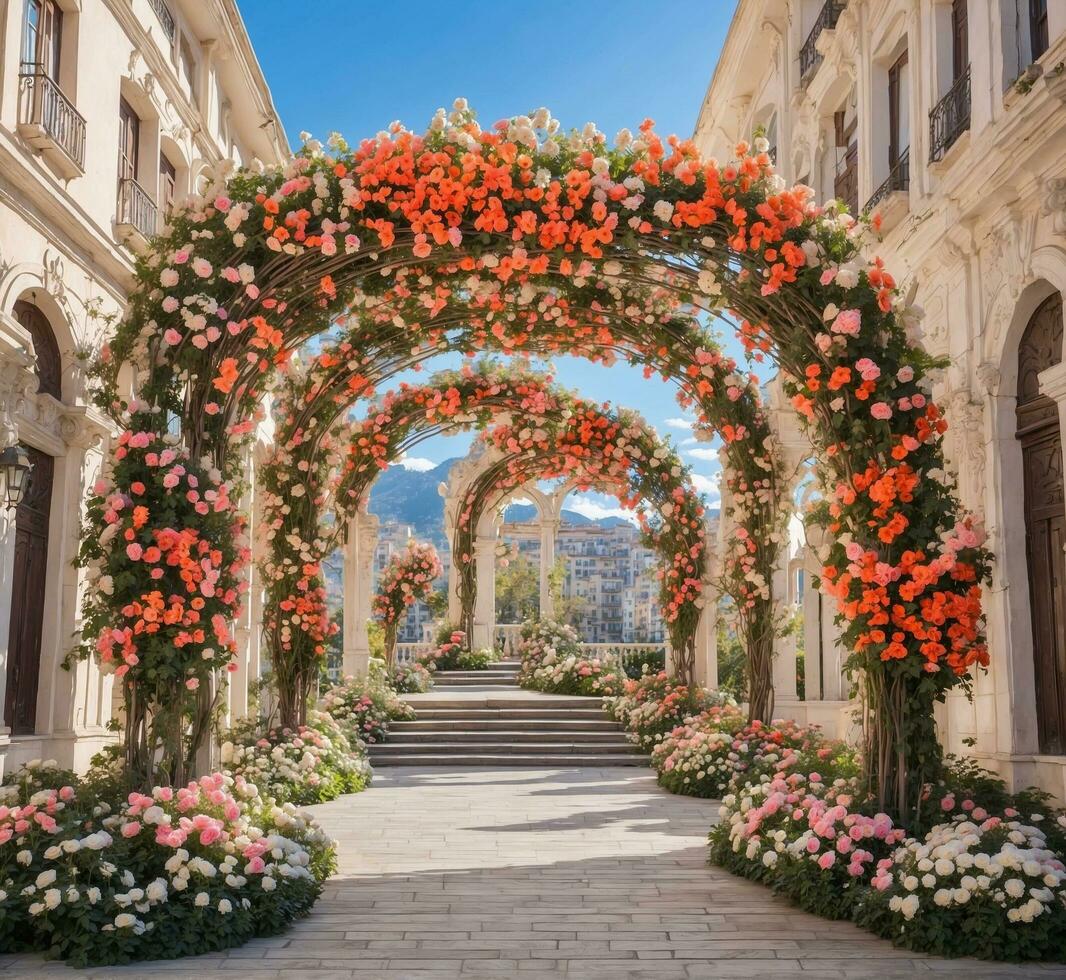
x: 1054, y: 203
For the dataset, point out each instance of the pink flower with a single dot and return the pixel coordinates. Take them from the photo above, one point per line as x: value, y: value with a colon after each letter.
x: 881, y: 410
x: 192, y: 683
x: 847, y: 322
x: 131, y: 829
x: 134, y: 551
x: 827, y: 860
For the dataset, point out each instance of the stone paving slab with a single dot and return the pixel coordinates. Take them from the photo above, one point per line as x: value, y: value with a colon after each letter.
x: 583, y: 874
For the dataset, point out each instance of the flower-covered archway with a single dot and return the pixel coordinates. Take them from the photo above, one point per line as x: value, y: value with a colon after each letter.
x: 522, y: 226
x: 613, y: 451
x: 313, y: 490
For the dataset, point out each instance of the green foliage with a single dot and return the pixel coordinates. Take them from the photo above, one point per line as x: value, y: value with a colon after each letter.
x: 517, y: 589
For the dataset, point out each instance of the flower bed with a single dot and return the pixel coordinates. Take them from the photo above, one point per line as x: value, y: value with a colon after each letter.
x: 978, y: 883
x: 312, y: 764
x: 364, y: 706
x: 552, y: 662
x: 651, y: 707
x: 452, y: 653
x: 98, y: 878
x: 414, y: 678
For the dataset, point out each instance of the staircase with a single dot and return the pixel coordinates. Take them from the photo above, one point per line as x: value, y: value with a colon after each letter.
x: 482, y: 718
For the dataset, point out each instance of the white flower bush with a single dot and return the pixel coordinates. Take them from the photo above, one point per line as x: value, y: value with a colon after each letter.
x: 311, y: 764
x: 552, y: 662
x: 98, y: 876
x: 997, y: 874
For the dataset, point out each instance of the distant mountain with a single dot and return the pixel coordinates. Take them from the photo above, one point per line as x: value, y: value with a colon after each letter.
x: 406, y: 496
x: 524, y: 513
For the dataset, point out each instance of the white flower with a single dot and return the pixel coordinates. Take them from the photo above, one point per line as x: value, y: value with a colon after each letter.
x: 124, y: 919
x: 201, y: 900
x: 46, y: 878
x: 225, y: 906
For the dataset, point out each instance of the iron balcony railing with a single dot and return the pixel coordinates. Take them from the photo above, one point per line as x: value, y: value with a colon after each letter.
x: 810, y: 56
x: 950, y: 117
x: 136, y: 208
x: 899, y: 179
x: 166, y: 19
x: 43, y: 104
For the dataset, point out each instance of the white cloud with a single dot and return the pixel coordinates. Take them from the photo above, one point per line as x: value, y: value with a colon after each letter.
x: 419, y: 464
x: 710, y: 455
x: 690, y: 441
x: 586, y: 506
x: 707, y: 485
x: 679, y: 423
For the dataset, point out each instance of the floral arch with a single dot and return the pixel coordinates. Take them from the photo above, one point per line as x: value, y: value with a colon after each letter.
x: 305, y: 483
x: 613, y: 451
x: 519, y: 228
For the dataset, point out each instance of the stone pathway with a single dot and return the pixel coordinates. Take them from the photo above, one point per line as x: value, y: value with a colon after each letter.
x: 536, y: 874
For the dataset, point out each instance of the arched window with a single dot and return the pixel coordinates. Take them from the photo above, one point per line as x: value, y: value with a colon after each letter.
x: 1045, y: 519
x: 49, y: 363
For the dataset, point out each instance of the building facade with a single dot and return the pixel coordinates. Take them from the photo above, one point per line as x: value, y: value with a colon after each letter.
x: 947, y: 117
x: 110, y: 111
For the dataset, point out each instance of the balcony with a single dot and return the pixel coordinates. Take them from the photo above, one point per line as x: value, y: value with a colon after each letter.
x: 166, y: 19
x: 810, y: 56
x: 49, y: 123
x: 899, y: 179
x: 950, y: 118
x: 137, y: 220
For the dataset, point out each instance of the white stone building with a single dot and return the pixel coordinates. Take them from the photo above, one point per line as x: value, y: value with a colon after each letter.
x: 109, y: 111
x: 948, y: 117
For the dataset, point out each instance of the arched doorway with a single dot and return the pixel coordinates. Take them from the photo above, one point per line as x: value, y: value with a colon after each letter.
x: 31, y: 545
x: 1045, y: 519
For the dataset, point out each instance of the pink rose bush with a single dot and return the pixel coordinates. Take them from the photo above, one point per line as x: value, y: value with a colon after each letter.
x: 313, y: 763
x: 100, y: 876
x: 412, y: 678
x: 654, y: 705
x: 705, y: 754
x: 552, y: 662
x: 453, y: 653
x: 364, y: 706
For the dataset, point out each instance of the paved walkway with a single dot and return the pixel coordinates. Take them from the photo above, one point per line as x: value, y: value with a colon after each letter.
x: 536, y: 874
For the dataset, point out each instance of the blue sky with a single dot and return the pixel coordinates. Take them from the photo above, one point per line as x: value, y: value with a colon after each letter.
x: 354, y: 67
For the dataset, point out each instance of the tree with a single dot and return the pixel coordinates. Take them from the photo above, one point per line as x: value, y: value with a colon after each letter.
x: 517, y: 590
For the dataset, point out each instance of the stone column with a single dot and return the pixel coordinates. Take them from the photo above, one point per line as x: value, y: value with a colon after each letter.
x: 707, y: 631
x: 485, y: 602
x: 359, y: 551
x: 549, y: 529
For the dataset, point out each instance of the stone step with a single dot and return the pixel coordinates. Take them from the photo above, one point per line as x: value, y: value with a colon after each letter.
x: 512, y: 760
x: 465, y: 675
x: 489, y: 701
x: 503, y: 736
x: 617, y: 747
x: 475, y: 679
x: 573, y: 725
x: 460, y: 715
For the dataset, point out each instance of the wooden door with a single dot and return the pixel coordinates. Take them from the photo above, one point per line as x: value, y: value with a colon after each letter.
x: 1045, y: 520
x: 27, y: 597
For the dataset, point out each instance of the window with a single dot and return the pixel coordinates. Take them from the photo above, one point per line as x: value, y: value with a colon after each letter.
x: 1038, y: 32
x: 41, y: 39
x: 960, y: 48
x: 188, y: 65
x: 898, y: 140
x: 168, y: 183
x: 129, y: 137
